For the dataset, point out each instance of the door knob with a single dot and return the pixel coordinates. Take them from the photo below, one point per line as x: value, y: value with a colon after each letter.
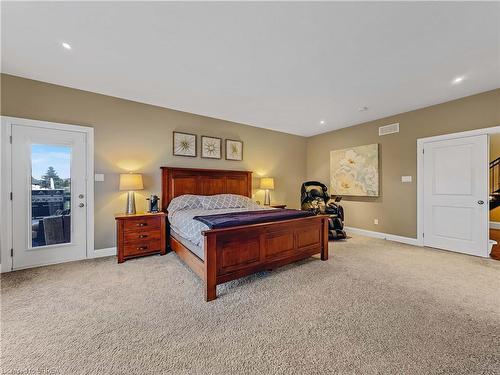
x: 480, y: 202
x: 81, y: 205
x: 80, y: 196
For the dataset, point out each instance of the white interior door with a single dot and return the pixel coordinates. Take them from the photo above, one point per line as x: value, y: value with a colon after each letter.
x: 49, y: 221
x: 456, y: 195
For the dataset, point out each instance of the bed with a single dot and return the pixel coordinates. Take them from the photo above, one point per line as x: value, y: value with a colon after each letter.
x: 228, y: 253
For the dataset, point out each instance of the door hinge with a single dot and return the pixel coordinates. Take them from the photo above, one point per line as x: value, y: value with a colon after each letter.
x: 11, y: 195
x: 423, y: 151
x: 11, y: 253
x: 423, y: 235
x: 10, y: 139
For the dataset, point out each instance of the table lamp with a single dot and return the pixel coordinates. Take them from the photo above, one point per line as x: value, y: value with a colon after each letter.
x: 267, y: 183
x: 131, y: 182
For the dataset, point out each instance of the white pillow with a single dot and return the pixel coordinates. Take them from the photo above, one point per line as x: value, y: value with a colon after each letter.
x: 210, y: 202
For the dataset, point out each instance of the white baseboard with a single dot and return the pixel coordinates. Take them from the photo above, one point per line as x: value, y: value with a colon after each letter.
x: 494, y: 225
x: 108, y: 252
x: 99, y: 253
x: 383, y: 236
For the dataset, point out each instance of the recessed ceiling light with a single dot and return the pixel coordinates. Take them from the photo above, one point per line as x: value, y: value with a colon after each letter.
x: 322, y: 122
x: 362, y: 109
x: 66, y: 45
x: 457, y: 80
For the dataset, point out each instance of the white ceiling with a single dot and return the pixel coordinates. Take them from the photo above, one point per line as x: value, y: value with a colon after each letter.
x: 281, y: 66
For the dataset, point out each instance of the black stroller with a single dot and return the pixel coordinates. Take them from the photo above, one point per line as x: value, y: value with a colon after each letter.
x: 314, y: 197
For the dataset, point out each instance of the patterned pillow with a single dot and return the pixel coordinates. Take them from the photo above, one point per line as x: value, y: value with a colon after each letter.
x: 184, y: 202
x: 210, y: 202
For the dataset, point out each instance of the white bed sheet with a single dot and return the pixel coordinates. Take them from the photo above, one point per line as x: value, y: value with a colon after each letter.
x: 182, y: 221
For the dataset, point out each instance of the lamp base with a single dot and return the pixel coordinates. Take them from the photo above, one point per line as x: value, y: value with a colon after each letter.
x: 267, y: 198
x: 130, y: 203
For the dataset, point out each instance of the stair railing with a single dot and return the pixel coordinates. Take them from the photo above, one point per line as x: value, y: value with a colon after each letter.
x: 495, y: 175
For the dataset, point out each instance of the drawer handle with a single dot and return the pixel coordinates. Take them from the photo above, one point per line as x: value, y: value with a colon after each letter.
x: 142, y: 248
x: 143, y: 235
x: 141, y: 224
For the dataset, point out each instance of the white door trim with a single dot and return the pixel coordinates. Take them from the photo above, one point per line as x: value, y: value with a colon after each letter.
x: 6, y: 182
x: 420, y: 169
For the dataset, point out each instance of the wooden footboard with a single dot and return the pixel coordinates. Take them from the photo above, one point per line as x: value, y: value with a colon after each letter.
x: 231, y: 253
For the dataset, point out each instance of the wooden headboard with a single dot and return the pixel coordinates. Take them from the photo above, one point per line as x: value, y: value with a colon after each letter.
x: 179, y: 181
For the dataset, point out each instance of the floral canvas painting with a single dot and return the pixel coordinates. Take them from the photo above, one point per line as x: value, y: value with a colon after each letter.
x: 354, y: 171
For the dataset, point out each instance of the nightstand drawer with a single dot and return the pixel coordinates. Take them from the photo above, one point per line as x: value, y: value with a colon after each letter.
x: 142, y: 235
x: 144, y: 223
x: 138, y: 248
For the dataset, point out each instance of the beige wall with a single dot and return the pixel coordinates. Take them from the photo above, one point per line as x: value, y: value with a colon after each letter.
x: 396, y: 208
x: 135, y: 136
x: 494, y: 146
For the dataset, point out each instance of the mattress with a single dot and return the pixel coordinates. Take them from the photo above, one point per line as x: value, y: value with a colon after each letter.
x: 182, y: 209
x: 182, y: 221
x: 199, y: 251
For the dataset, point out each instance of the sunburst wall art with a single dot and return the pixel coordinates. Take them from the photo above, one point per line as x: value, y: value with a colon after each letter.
x: 354, y: 171
x: 211, y: 147
x: 184, y: 144
x: 234, y: 150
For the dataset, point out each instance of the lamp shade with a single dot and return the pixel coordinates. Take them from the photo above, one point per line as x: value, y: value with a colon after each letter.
x: 267, y: 183
x: 131, y: 181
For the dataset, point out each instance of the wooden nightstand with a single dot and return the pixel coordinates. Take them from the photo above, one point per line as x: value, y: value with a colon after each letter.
x: 278, y: 205
x: 140, y: 234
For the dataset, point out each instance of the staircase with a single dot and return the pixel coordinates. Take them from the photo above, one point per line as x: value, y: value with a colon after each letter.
x: 495, y: 183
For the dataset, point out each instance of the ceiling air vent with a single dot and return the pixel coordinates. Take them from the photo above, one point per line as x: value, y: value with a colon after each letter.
x: 389, y: 129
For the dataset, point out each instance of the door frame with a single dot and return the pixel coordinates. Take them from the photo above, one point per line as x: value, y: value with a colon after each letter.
x: 421, y: 142
x: 6, y: 228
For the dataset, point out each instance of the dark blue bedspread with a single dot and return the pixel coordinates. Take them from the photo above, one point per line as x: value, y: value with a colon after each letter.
x: 235, y: 219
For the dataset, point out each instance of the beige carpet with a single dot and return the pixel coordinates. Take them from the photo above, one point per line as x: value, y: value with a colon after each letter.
x: 376, y: 307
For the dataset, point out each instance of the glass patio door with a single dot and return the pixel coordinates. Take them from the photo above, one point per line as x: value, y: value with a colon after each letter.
x: 49, y: 196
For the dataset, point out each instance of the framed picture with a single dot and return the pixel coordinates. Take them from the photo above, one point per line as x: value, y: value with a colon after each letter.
x: 211, y: 147
x: 184, y: 144
x: 354, y: 171
x: 234, y: 150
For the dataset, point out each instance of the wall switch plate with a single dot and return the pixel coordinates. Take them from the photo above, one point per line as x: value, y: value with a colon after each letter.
x: 99, y: 177
x: 405, y: 178
x: 375, y: 221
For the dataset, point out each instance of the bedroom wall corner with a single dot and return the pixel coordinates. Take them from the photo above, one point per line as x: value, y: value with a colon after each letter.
x: 396, y: 206
x: 132, y: 136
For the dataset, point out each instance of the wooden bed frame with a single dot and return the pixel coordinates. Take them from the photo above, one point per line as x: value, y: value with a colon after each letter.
x: 231, y: 253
